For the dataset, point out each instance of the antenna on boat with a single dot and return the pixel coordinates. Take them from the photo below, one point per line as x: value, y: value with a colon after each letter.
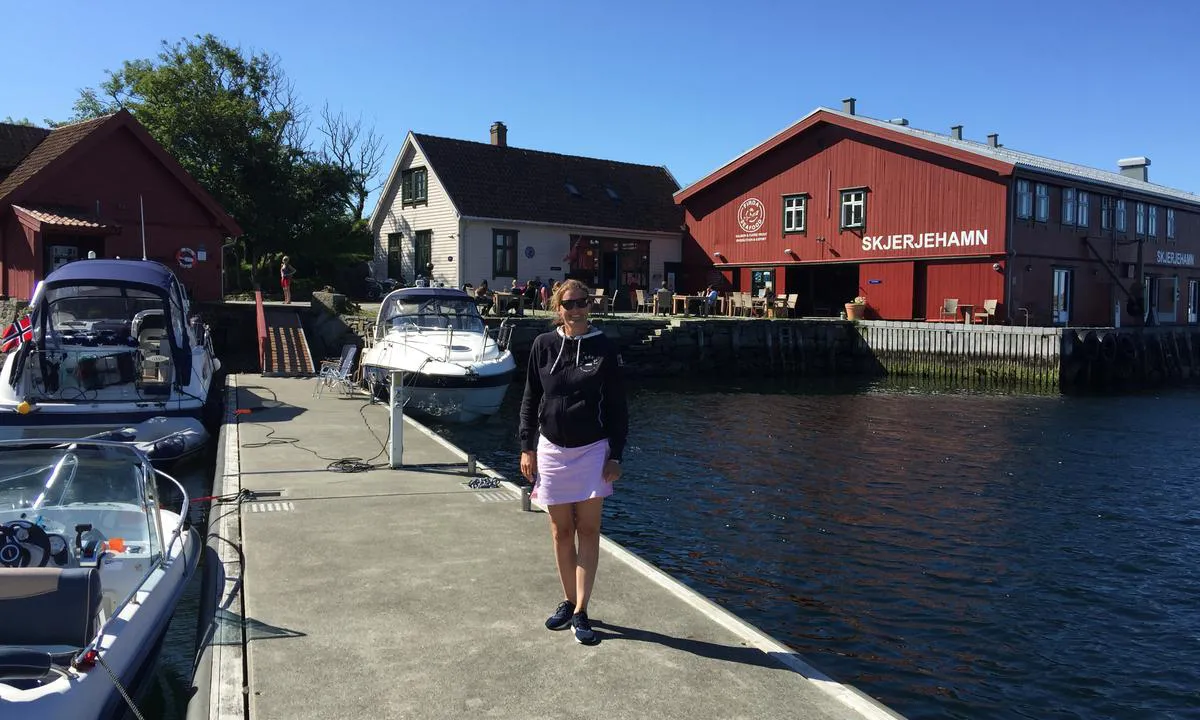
x: 142, y: 210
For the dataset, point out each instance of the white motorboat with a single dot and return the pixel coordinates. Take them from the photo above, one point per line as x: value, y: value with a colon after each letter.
x: 91, y: 569
x: 453, y: 369
x: 106, y: 343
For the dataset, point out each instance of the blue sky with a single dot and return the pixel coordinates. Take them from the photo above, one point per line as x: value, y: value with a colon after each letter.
x: 688, y: 85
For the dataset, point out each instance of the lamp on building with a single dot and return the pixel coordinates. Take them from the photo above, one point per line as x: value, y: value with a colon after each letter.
x: 997, y: 266
x: 789, y: 252
x: 717, y: 254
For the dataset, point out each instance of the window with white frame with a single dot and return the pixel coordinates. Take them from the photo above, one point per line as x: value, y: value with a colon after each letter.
x: 1152, y: 221
x: 854, y: 208
x: 795, y: 213
x: 1139, y: 226
x: 1024, y: 200
x: 1068, y: 208
x: 1081, y: 218
x: 1170, y: 223
x: 1105, y: 212
x: 1122, y: 226
x: 1043, y: 202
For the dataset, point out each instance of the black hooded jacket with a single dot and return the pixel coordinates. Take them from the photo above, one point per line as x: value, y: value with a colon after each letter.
x: 574, y: 392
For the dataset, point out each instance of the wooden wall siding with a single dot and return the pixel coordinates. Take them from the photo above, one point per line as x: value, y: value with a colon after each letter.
x: 438, y: 215
x: 910, y: 192
x: 891, y: 297
x: 18, y: 260
x: 968, y: 281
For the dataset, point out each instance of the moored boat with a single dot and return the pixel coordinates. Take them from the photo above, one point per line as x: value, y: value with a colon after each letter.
x: 106, y: 343
x: 452, y: 368
x: 91, y: 570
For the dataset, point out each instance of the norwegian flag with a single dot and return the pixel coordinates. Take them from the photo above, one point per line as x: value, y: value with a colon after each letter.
x: 16, y: 334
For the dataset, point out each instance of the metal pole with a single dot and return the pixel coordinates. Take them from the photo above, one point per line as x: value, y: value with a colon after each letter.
x: 396, y: 414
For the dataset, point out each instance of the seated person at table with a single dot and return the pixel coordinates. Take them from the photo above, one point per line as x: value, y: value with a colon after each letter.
x: 663, y: 301
x: 483, y: 298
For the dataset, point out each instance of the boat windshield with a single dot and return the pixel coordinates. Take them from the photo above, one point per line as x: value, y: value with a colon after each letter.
x: 426, y: 312
x: 104, y: 312
x: 95, y: 491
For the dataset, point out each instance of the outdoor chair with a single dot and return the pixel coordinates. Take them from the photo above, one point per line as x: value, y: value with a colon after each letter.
x: 337, y: 373
x: 989, y: 312
x: 643, y: 305
x: 949, y: 308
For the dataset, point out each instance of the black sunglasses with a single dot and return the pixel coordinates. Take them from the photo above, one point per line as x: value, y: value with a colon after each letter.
x: 579, y: 303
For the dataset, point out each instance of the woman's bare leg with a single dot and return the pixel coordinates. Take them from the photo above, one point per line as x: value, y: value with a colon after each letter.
x: 562, y: 529
x: 587, y: 529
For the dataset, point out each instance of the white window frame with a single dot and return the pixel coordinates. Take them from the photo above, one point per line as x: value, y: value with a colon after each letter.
x: 1068, y: 206
x: 1152, y: 221
x: 1083, y: 211
x: 795, y: 213
x: 1139, y: 227
x: 1042, y: 206
x: 1170, y: 223
x: 1193, y: 301
x: 1121, y: 222
x: 1106, y: 208
x: 854, y: 201
x: 1024, y: 200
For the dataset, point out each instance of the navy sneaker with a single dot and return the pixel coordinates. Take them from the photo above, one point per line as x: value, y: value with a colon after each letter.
x: 561, y: 619
x: 584, y: 635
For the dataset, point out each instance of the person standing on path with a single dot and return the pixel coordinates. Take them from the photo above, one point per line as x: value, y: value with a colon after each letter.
x: 286, y: 271
x: 574, y: 421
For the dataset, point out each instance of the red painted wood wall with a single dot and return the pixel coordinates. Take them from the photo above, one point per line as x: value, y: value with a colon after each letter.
x: 909, y: 192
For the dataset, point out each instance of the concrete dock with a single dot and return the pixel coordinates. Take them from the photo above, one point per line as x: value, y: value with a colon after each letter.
x: 407, y: 594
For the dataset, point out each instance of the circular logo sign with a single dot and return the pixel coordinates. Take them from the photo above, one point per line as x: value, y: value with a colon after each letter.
x: 528, y: 251
x: 186, y: 257
x: 751, y: 215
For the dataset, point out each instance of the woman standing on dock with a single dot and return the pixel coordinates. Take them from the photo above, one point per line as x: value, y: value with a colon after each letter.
x: 574, y: 420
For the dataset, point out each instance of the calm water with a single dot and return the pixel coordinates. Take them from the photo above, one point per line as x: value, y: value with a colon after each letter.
x: 954, y: 555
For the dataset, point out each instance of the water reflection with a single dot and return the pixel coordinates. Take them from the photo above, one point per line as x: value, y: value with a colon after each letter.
x: 957, y: 555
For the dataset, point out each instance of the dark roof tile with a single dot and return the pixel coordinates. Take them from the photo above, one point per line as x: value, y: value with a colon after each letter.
x: 17, y: 141
x: 512, y: 183
x: 58, y: 141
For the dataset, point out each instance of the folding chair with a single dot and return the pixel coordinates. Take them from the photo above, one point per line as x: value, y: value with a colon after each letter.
x: 337, y: 374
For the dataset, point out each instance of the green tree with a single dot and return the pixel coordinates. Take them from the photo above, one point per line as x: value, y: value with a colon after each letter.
x: 235, y: 123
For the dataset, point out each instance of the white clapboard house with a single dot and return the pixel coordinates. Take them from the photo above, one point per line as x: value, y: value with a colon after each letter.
x: 459, y: 212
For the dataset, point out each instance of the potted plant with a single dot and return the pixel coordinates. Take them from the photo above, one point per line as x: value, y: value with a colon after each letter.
x: 857, y: 308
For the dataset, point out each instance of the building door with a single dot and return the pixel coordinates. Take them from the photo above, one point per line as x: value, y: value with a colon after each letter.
x: 1061, y: 302
x: 1193, y: 301
x: 760, y: 280
x: 423, y: 254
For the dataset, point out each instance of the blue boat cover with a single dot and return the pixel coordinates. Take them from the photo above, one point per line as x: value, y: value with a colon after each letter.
x: 111, y: 272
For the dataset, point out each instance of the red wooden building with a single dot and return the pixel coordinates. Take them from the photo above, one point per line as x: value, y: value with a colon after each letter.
x: 86, y: 187
x: 839, y: 205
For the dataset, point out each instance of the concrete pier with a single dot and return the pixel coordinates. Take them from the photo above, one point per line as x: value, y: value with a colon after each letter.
x: 407, y: 594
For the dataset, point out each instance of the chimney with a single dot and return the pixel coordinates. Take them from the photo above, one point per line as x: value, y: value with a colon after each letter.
x: 1135, y: 167
x: 499, y: 134
x: 956, y: 132
x: 994, y: 140
x: 848, y: 106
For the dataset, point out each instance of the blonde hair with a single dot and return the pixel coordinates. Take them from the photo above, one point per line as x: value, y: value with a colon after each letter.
x: 565, y: 287
x: 286, y: 259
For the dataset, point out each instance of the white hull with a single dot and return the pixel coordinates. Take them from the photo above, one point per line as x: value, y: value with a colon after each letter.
x: 128, y: 644
x: 451, y: 376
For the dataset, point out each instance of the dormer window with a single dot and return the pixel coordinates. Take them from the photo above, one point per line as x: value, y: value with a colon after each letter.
x: 572, y: 190
x: 612, y: 194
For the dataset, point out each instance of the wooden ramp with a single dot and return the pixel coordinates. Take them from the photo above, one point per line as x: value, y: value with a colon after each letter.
x: 285, y: 350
